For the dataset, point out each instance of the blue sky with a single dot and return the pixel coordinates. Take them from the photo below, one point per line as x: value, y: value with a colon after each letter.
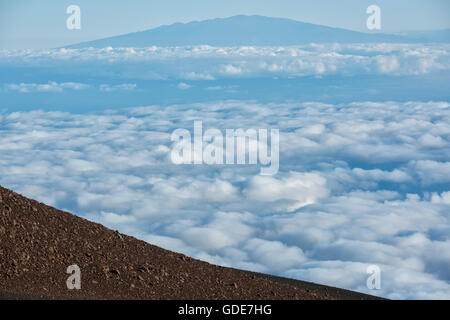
x: 41, y: 23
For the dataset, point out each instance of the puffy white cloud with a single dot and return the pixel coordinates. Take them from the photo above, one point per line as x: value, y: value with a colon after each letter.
x: 432, y: 172
x: 295, y: 190
x: 183, y: 86
x: 442, y: 198
x: 275, y: 255
x: 431, y: 141
x: 387, y: 64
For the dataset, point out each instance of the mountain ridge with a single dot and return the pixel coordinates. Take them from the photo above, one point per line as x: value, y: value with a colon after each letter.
x: 246, y: 30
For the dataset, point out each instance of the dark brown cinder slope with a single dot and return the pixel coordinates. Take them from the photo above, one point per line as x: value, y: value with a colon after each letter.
x: 38, y: 243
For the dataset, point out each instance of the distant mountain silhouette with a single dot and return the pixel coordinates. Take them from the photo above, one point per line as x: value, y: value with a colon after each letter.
x: 247, y: 30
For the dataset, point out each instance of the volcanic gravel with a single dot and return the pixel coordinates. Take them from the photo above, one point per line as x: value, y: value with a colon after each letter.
x: 38, y: 243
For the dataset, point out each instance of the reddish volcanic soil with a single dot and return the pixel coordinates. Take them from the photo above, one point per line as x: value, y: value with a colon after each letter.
x: 38, y: 243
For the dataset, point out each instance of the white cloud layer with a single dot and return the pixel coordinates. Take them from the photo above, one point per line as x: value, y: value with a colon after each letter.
x: 45, y: 87
x: 359, y: 184
x: 240, y: 62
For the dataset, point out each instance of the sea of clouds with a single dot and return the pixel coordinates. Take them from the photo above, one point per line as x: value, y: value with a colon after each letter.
x: 359, y: 184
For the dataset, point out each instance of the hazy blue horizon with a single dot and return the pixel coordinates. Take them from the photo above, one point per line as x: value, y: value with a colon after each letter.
x: 41, y: 24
